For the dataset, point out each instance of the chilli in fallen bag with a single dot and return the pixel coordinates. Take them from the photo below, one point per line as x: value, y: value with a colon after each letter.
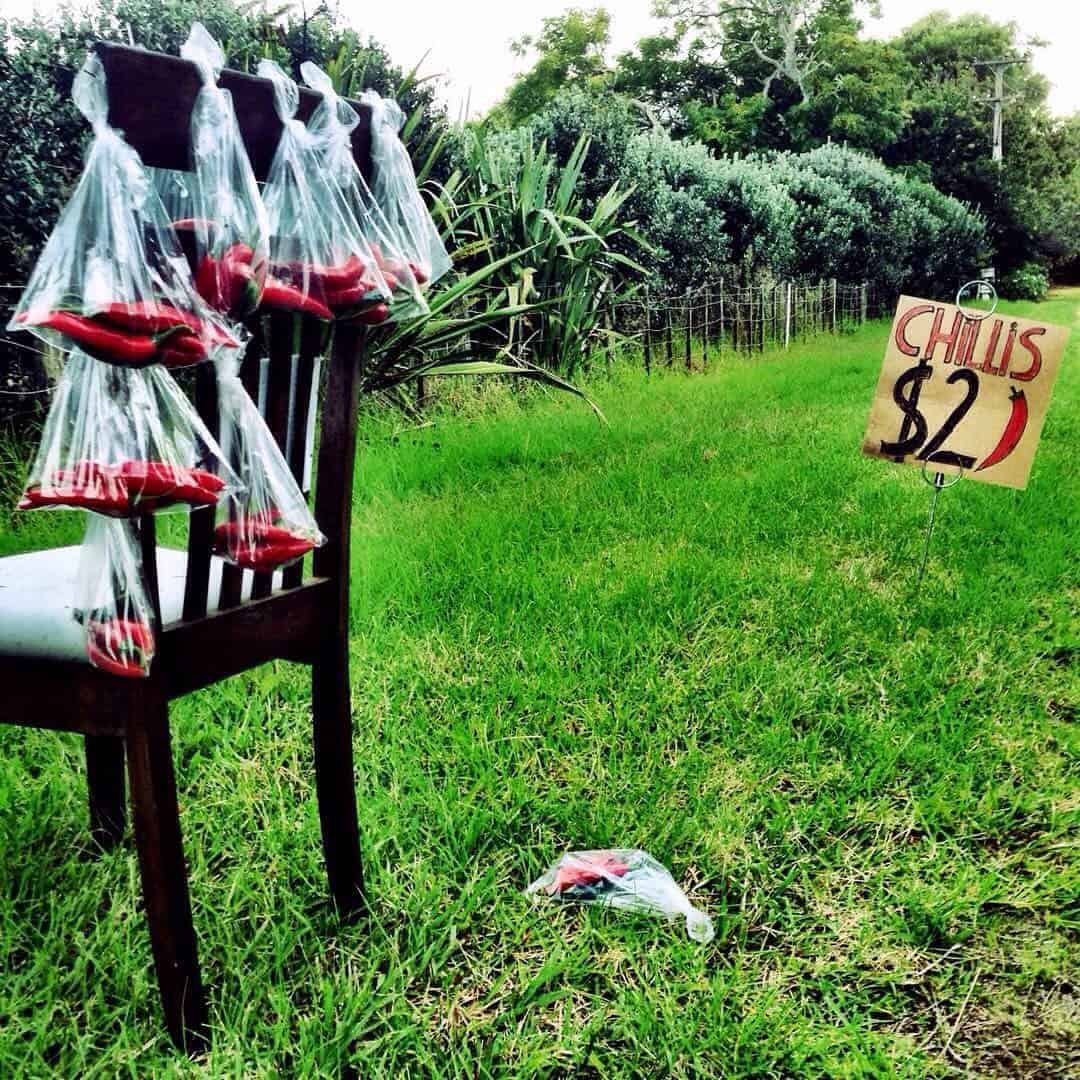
x: 112, y: 279
x: 111, y: 599
x: 332, y: 123
x: 320, y: 264
x: 397, y: 193
x: 120, y: 442
x: 267, y: 523
x: 215, y: 209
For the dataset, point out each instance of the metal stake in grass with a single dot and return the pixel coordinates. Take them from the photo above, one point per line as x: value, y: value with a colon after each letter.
x: 939, y: 482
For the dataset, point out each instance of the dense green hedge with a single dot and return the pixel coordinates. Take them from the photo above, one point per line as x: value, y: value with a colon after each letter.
x: 831, y: 212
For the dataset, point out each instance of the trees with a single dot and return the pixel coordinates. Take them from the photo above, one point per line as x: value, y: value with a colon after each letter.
x: 570, y: 49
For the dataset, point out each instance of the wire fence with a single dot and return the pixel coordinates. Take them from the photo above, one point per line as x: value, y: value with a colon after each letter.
x: 687, y: 329
x: 690, y: 327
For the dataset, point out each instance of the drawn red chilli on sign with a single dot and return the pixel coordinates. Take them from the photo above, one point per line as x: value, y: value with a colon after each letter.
x: 975, y: 396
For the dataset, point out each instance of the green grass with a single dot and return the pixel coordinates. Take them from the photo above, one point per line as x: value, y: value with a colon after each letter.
x: 693, y: 632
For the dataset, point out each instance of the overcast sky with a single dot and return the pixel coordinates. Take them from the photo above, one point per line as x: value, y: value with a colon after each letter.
x: 469, y: 40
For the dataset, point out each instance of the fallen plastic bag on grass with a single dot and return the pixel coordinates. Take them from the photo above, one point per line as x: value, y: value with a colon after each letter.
x: 397, y: 193
x: 215, y: 209
x: 622, y: 878
x: 332, y: 123
x: 267, y: 523
x: 320, y: 264
x: 119, y: 441
x: 112, y: 279
x: 111, y: 599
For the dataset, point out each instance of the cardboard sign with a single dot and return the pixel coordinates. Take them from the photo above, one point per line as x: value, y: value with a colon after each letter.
x: 958, y: 391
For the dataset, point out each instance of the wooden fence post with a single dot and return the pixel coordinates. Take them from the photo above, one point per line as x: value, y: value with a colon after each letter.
x: 721, y: 346
x: 833, y: 328
x: 705, y: 330
x: 647, y: 333
x: 862, y: 303
x: 668, y: 353
x: 689, y: 303
x: 787, y: 318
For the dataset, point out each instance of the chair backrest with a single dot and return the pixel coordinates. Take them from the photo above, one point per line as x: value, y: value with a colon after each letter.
x: 151, y: 96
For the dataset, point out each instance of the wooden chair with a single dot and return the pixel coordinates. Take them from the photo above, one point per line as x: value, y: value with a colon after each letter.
x: 214, y: 620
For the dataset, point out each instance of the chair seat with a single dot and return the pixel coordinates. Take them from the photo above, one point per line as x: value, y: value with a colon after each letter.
x: 37, y: 599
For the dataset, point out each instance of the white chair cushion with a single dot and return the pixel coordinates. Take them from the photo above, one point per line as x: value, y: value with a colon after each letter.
x: 37, y: 594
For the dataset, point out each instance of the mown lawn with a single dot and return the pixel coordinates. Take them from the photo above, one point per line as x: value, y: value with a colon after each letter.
x: 693, y: 632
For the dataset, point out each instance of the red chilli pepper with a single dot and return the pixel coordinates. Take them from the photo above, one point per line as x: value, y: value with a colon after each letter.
x: 372, y: 316
x: 115, y: 346
x: 329, y: 277
x: 146, y: 316
x: 190, y: 223
x: 1013, y: 433
x: 240, y: 253
x: 418, y: 273
x: 279, y: 294
x: 350, y: 296
x: 161, y: 480
x: 577, y: 872
x: 256, y: 530
x: 120, y: 646
x: 88, y: 485
x: 255, y: 545
x: 181, y: 350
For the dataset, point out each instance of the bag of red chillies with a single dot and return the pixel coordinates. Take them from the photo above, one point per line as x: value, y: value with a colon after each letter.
x: 332, y: 124
x: 111, y: 600
x: 396, y: 193
x: 112, y: 279
x: 215, y: 208
x: 121, y: 442
x: 320, y: 262
x: 266, y: 523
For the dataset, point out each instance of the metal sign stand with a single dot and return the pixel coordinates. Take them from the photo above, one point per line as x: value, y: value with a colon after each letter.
x: 939, y: 481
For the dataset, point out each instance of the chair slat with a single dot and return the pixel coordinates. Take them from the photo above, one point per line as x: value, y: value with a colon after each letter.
x: 147, y: 529
x: 201, y: 522
x: 282, y: 328
x: 313, y: 335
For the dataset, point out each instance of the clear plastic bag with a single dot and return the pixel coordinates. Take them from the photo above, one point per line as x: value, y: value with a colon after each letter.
x: 120, y: 442
x: 320, y: 264
x: 112, y: 279
x: 267, y: 523
x: 216, y: 210
x: 112, y: 601
x: 397, y: 193
x: 332, y: 123
x: 622, y: 878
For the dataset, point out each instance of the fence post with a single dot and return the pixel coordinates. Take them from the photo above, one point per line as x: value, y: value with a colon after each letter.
x: 862, y: 303
x: 647, y: 333
x: 721, y: 346
x: 787, y: 318
x: 705, y: 330
x: 834, y: 305
x: 689, y: 327
x: 668, y: 355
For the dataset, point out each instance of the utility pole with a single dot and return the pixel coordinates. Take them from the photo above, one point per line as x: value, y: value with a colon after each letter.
x: 998, y: 100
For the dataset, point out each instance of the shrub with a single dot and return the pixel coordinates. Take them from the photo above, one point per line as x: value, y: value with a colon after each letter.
x: 1028, y: 281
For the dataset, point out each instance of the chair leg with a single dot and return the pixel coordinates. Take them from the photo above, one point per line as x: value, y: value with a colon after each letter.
x: 105, y: 780
x: 164, y: 875
x: 332, y: 727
